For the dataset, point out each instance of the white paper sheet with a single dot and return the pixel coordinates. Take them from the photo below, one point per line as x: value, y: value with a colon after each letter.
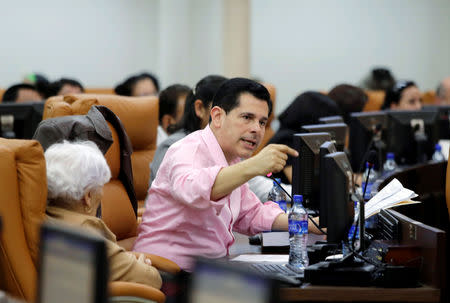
x: 262, y: 258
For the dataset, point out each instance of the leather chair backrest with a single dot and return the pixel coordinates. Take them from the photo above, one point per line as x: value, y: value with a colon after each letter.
x: 23, y: 188
x: 375, y: 100
x: 269, y: 131
x: 139, y: 116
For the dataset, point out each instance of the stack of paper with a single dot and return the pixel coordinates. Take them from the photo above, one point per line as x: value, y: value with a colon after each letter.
x: 391, y: 195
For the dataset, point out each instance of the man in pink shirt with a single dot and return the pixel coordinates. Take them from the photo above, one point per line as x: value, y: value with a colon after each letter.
x: 200, y: 194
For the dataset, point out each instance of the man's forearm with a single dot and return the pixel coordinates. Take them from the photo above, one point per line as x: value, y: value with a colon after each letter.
x: 231, y: 177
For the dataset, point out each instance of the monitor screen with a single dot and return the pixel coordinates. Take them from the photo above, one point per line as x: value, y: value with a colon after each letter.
x: 366, y: 133
x: 219, y: 282
x: 336, y: 206
x: 331, y: 119
x: 411, y: 135
x: 305, y: 167
x: 443, y: 119
x: 73, y: 266
x: 338, y: 132
x: 20, y: 120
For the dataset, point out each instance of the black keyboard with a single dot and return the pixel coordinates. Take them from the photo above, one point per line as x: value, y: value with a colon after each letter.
x: 282, y: 272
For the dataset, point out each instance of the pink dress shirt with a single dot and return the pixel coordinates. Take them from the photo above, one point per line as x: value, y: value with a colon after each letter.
x: 180, y: 220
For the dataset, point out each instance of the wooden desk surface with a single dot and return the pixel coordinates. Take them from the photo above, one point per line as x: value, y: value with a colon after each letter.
x: 317, y: 293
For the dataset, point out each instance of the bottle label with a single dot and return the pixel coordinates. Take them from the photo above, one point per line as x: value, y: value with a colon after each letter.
x: 282, y: 204
x: 298, y: 227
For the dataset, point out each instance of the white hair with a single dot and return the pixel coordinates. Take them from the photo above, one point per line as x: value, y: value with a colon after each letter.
x: 74, y: 168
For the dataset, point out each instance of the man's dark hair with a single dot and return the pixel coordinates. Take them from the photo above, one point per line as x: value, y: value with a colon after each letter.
x: 12, y: 92
x: 227, y: 96
x: 349, y: 98
x: 56, y: 86
x: 394, y: 94
x: 168, y: 99
x: 126, y: 87
x: 204, y: 91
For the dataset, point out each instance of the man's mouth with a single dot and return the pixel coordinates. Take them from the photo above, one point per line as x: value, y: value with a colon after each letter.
x: 249, y: 143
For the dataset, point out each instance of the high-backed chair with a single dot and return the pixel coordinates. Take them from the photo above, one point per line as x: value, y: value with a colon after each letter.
x: 269, y: 131
x: 23, y: 187
x: 139, y: 116
x: 428, y: 97
x: 375, y: 100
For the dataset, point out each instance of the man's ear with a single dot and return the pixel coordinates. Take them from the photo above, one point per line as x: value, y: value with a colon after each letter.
x: 167, y: 120
x: 217, y: 116
x: 87, y: 201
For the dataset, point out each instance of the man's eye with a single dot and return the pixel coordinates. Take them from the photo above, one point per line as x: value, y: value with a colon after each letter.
x: 263, y: 123
x: 246, y: 117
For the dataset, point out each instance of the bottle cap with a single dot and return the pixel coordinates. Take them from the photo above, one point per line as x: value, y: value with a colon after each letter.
x: 390, y: 156
x: 298, y: 199
x: 438, y: 147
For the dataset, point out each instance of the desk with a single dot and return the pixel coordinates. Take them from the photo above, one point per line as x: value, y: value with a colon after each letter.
x: 430, y: 240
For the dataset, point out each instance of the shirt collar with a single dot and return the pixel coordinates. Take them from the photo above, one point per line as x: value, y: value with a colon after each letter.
x: 214, y: 146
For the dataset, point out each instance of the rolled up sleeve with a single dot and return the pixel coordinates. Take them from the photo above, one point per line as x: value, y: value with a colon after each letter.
x: 254, y: 216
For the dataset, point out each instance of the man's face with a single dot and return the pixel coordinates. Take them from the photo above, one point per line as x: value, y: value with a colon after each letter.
x: 242, y: 129
x: 27, y: 95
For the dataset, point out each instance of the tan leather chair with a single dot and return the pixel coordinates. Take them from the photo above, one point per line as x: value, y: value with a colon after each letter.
x: 375, y: 100
x: 269, y: 131
x: 429, y: 97
x: 139, y: 116
x: 23, y: 185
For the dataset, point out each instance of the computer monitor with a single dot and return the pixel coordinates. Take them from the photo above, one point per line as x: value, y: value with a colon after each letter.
x: 366, y: 133
x: 219, y: 281
x: 336, y: 206
x: 338, y: 132
x: 325, y: 149
x: 305, y: 167
x: 411, y: 135
x: 331, y: 119
x: 443, y: 119
x: 20, y: 120
x: 73, y: 266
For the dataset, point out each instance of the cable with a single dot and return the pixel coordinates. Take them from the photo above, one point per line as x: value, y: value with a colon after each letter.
x: 309, y: 216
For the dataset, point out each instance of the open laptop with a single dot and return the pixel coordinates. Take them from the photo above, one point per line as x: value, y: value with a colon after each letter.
x: 73, y: 266
x: 221, y: 281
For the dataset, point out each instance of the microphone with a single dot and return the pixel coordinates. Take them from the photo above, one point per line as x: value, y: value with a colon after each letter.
x: 371, y: 158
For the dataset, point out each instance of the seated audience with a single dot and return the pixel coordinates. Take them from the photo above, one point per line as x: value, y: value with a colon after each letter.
x: 171, y: 108
x: 76, y: 173
x: 306, y: 109
x: 144, y: 84
x: 349, y: 98
x: 195, y: 117
x: 40, y: 82
x: 404, y: 95
x: 21, y: 93
x: 66, y: 86
x: 200, y: 194
x: 443, y: 92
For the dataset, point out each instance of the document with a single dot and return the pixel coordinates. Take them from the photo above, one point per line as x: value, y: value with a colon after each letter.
x: 257, y: 258
x: 393, y: 194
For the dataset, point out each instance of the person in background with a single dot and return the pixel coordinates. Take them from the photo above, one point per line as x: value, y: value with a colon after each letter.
x: 76, y: 173
x: 200, y: 195
x: 21, y: 92
x: 171, y: 108
x: 443, y: 92
x: 195, y: 117
x: 349, y: 98
x: 40, y: 82
x: 306, y: 109
x: 144, y: 84
x: 404, y: 95
x: 65, y: 86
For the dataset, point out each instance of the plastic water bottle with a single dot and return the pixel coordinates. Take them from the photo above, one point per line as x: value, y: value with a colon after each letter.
x: 277, y: 195
x: 298, y: 234
x: 438, y: 156
x: 372, y: 178
x: 351, y: 233
x: 390, y: 165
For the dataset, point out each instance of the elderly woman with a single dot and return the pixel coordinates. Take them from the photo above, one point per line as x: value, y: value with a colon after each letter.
x: 76, y: 173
